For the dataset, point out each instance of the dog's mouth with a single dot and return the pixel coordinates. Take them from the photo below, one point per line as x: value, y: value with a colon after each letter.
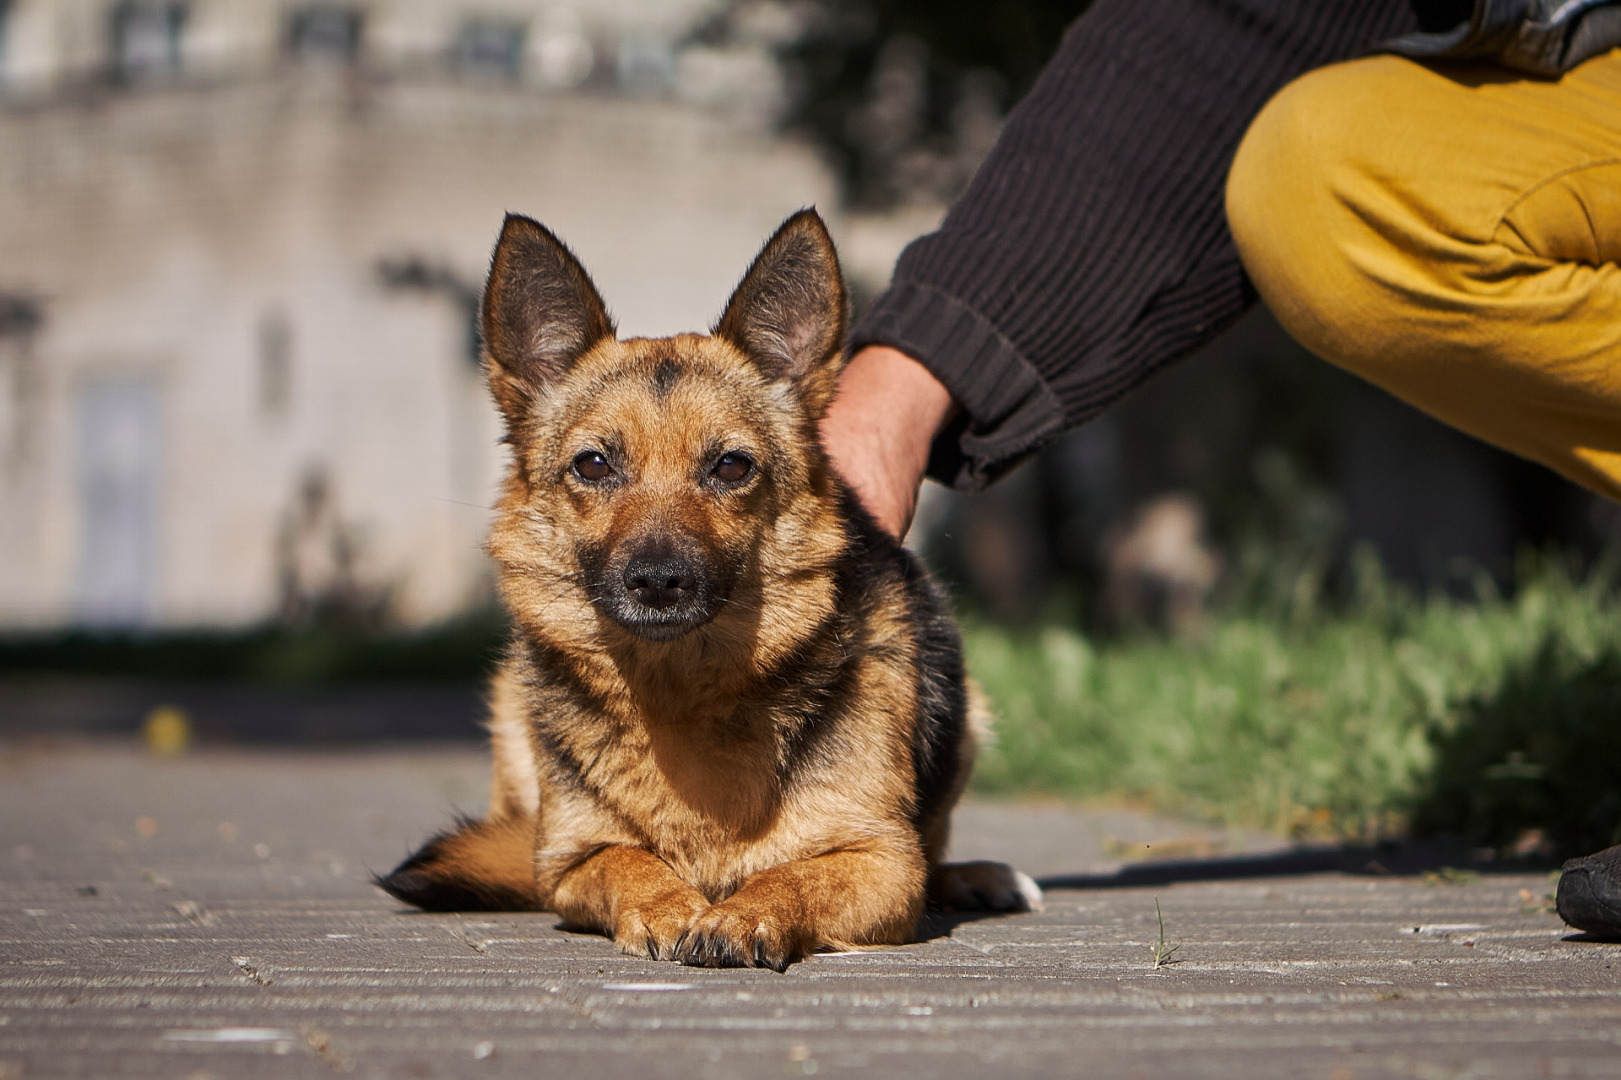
x: 659, y: 594
x: 658, y: 624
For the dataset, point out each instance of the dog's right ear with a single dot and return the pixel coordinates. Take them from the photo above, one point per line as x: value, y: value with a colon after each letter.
x: 540, y: 314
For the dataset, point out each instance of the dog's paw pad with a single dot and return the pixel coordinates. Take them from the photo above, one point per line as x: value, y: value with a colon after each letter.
x: 984, y: 886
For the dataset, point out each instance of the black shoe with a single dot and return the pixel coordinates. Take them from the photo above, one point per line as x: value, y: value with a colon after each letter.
x: 1590, y: 893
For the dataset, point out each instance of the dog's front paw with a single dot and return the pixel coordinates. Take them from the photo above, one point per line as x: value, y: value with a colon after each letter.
x: 727, y: 936
x: 655, y: 928
x: 983, y: 886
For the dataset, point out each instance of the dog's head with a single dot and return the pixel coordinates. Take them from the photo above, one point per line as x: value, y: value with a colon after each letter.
x: 662, y: 485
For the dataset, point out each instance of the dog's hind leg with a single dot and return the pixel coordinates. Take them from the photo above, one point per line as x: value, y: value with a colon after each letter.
x: 983, y: 886
x: 477, y: 866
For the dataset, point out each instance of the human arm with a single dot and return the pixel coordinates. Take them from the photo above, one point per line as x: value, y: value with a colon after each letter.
x: 1091, y: 248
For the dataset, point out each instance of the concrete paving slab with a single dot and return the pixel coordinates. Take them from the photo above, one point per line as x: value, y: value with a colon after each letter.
x: 210, y: 916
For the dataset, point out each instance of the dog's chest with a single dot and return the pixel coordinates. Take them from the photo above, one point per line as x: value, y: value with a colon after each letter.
x: 707, y: 800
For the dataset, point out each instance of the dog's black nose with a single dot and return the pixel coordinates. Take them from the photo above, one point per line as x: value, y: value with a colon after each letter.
x: 660, y: 580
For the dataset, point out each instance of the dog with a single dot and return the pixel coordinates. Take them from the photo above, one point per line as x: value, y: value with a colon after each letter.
x: 732, y: 721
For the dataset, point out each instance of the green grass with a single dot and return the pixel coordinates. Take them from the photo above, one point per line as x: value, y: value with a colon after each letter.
x: 1483, y: 718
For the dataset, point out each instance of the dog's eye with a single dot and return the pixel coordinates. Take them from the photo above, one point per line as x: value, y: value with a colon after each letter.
x: 592, y: 467
x: 732, y: 468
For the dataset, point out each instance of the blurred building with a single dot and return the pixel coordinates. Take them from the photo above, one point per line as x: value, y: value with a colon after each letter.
x: 240, y: 247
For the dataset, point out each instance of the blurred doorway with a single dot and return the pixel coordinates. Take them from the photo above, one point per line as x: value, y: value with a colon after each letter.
x: 119, y: 442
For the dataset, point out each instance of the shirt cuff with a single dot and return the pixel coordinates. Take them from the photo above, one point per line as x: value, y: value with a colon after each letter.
x: 1009, y: 412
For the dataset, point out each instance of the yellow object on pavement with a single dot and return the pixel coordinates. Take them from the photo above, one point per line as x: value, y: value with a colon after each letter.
x: 167, y: 731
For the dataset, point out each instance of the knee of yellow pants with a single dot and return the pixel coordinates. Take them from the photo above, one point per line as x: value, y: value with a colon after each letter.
x: 1292, y: 204
x: 1427, y: 233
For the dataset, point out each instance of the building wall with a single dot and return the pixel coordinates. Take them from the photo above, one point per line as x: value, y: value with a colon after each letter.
x: 49, y: 44
x: 225, y: 389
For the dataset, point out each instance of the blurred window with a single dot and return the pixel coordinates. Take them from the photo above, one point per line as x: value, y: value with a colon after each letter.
x: 5, y: 22
x: 326, y: 32
x: 11, y: 404
x: 20, y: 407
x: 646, y: 64
x: 490, y: 49
x: 146, y: 38
x: 275, y: 364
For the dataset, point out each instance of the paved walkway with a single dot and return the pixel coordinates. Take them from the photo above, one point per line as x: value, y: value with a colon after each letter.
x: 210, y: 917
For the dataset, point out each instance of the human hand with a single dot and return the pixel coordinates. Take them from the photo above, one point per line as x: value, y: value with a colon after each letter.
x: 879, y: 428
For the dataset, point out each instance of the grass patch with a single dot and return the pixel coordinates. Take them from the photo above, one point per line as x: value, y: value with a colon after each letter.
x: 1486, y: 718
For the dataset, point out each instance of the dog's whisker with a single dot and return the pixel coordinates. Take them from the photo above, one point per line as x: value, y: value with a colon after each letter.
x: 757, y: 609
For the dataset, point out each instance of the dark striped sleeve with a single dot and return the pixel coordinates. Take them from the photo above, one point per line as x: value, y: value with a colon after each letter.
x: 1091, y: 248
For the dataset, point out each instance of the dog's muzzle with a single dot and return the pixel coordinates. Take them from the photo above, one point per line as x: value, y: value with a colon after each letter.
x: 660, y: 593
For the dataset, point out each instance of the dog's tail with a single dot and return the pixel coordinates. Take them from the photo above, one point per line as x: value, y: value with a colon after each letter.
x: 484, y: 865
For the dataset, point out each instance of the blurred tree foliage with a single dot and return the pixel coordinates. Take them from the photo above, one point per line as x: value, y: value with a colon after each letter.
x: 323, y: 652
x: 906, y: 95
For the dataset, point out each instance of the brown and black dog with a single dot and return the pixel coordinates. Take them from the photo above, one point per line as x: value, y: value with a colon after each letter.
x: 732, y: 721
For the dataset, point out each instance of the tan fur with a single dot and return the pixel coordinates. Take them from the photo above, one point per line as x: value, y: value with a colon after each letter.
x: 515, y: 787
x: 662, y: 787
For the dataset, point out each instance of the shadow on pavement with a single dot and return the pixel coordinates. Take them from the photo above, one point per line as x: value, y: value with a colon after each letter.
x: 245, y: 712
x: 1444, y: 860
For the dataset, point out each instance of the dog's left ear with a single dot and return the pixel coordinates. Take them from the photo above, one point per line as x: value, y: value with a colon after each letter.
x: 788, y: 315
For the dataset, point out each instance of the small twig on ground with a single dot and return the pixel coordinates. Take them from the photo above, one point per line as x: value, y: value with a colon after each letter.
x: 1162, y: 954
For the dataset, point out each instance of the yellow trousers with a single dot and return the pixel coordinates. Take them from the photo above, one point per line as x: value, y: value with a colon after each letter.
x: 1453, y: 234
